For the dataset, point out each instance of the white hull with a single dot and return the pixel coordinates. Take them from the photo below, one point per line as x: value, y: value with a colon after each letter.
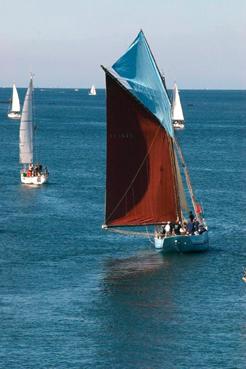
x: 178, y: 125
x: 90, y: 94
x: 34, y: 180
x: 183, y: 243
x: 13, y: 115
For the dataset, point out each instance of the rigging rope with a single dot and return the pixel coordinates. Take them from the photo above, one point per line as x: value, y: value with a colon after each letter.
x: 130, y: 233
x: 187, y: 177
x: 132, y: 181
x: 150, y: 240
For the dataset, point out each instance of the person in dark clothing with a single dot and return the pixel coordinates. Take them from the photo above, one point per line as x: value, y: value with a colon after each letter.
x: 190, y: 229
x: 195, y: 225
x: 177, y: 228
x: 172, y: 227
x: 191, y: 216
x: 201, y: 229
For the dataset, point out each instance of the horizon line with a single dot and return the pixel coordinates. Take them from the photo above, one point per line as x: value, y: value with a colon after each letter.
x: 103, y: 88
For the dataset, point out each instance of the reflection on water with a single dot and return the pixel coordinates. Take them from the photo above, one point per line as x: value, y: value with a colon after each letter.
x: 144, y: 262
x: 138, y: 282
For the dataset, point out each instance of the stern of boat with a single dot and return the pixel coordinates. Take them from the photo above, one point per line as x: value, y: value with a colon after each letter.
x: 178, y: 125
x: 183, y: 243
x: 13, y: 115
x: 33, y: 179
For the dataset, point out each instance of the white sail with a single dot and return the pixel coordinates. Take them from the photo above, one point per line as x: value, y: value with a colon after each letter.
x: 93, y: 90
x: 15, y: 101
x: 26, y: 128
x: 177, y: 112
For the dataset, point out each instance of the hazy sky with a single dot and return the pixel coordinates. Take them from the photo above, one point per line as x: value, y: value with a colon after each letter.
x: 198, y: 43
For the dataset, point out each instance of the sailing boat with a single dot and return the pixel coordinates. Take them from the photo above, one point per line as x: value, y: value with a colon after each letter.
x: 14, y: 112
x: 93, y: 91
x: 244, y: 276
x: 177, y: 112
x: 30, y: 173
x: 144, y: 186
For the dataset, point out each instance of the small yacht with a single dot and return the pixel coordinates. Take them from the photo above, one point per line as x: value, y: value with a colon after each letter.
x: 14, y: 112
x: 177, y: 112
x: 31, y: 174
x: 92, y: 91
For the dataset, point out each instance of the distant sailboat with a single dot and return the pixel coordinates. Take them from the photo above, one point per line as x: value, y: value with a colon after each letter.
x: 177, y: 112
x: 14, y: 112
x: 244, y: 276
x: 30, y: 173
x: 93, y: 91
x: 144, y: 186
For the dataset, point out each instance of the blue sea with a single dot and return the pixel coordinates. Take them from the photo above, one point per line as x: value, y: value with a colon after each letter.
x: 75, y: 297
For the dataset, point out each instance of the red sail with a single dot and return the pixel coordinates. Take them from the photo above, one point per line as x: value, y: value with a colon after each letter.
x: 141, y: 185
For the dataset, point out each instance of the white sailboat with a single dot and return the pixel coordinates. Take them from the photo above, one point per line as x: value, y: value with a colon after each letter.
x: 93, y: 91
x: 177, y: 112
x: 244, y: 276
x: 32, y: 174
x: 14, y: 112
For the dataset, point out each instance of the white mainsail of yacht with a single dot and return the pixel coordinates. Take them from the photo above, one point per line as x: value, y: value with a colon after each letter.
x: 93, y: 91
x: 14, y: 112
x: 30, y: 173
x: 177, y: 112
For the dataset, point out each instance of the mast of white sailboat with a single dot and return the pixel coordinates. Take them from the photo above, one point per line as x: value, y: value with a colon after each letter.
x: 26, y: 128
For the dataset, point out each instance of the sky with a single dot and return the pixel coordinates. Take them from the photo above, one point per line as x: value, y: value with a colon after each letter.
x: 197, y: 43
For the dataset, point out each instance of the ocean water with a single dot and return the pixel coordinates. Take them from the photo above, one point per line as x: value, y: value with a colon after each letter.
x: 73, y: 296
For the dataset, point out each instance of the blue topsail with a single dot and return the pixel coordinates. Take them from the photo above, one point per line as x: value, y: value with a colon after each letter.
x: 139, y: 73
